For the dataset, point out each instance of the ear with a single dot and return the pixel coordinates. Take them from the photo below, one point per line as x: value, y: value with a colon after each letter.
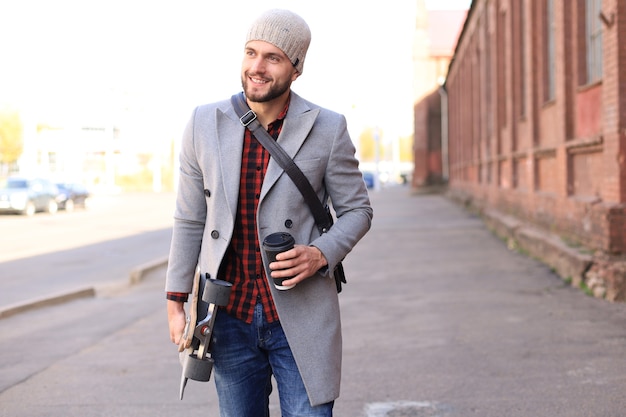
x: 295, y: 75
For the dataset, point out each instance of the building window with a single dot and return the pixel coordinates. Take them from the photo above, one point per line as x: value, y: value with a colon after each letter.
x: 549, y: 61
x: 593, y: 38
x: 501, y: 87
x: 521, y: 34
x: 488, y: 75
x: 52, y: 161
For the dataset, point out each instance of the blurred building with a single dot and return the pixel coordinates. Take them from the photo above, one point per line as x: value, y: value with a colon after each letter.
x: 71, y: 152
x: 107, y: 142
x: 537, y: 131
x: 436, y: 32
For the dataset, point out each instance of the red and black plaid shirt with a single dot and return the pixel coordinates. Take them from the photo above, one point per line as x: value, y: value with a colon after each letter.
x: 242, y: 264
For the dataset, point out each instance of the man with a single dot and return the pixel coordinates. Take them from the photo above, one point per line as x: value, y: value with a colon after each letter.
x: 231, y: 195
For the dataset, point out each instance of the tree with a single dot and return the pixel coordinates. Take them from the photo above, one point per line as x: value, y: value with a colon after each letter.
x: 367, y: 142
x: 11, y: 139
x: 406, y: 148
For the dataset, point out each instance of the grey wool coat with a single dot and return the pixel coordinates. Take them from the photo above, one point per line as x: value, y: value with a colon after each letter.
x: 206, y: 206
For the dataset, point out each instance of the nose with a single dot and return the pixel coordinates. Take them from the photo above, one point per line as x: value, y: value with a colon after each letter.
x: 257, y: 65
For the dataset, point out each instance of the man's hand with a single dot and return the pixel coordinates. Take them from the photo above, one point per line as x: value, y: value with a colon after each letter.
x: 301, y: 262
x: 176, y: 319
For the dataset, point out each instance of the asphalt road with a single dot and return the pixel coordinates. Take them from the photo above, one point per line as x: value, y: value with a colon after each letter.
x: 440, y: 319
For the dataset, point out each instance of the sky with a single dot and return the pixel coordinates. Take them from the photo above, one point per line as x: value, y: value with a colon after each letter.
x: 151, y: 62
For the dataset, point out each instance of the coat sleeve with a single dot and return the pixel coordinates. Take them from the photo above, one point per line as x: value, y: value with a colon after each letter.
x: 189, y: 216
x: 348, y: 195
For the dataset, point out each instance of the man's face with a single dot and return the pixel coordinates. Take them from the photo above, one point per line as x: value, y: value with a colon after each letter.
x: 266, y: 72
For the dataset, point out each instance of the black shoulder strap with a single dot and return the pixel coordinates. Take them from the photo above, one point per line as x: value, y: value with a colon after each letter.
x: 248, y: 118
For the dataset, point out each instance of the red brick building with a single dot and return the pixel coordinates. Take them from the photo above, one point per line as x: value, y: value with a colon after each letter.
x: 537, y: 131
x: 436, y: 33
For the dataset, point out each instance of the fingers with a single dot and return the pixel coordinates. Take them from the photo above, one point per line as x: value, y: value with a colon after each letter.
x: 177, y: 320
x: 176, y: 334
x: 300, y: 263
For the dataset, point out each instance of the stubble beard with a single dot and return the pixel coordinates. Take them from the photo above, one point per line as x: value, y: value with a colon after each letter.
x: 276, y: 90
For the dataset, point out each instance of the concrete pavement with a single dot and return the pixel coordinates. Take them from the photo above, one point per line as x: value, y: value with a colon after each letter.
x: 439, y: 318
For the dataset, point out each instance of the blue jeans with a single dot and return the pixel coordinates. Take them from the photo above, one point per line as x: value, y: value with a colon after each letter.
x: 246, y: 356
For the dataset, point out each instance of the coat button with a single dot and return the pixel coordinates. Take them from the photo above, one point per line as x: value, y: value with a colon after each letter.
x: 207, y: 193
x: 288, y: 223
x: 215, y: 234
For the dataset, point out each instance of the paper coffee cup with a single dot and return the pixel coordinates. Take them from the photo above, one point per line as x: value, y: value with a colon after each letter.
x: 273, y: 245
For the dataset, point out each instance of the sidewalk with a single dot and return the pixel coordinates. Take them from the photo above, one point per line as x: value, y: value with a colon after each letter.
x: 439, y: 319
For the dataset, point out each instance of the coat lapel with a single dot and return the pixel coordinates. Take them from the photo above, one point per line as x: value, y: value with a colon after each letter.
x: 297, y: 125
x: 230, y: 147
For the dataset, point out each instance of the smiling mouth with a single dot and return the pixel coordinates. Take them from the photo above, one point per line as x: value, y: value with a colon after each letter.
x: 258, y: 81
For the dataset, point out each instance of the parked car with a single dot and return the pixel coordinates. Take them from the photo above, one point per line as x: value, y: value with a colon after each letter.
x: 27, y: 196
x: 72, y: 195
x: 368, y: 177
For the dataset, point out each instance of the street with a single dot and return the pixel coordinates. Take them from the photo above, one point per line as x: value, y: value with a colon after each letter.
x: 46, y: 254
x: 440, y: 319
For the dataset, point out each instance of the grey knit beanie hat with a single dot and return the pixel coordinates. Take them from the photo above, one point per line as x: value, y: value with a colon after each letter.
x: 286, y: 31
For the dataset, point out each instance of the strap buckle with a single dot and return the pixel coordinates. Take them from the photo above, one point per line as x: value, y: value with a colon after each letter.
x: 247, y: 118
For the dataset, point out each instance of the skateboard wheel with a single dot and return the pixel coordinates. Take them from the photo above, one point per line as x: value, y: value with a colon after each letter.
x: 216, y: 291
x: 198, y: 369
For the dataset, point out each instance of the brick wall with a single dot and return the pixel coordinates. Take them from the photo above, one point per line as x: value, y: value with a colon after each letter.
x: 427, y: 137
x: 531, y: 133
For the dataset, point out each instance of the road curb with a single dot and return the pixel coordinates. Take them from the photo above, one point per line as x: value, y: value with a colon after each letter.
x: 137, y: 275
x: 148, y: 269
x: 46, y: 301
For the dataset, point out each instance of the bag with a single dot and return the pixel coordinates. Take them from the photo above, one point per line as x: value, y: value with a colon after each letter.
x: 338, y: 272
